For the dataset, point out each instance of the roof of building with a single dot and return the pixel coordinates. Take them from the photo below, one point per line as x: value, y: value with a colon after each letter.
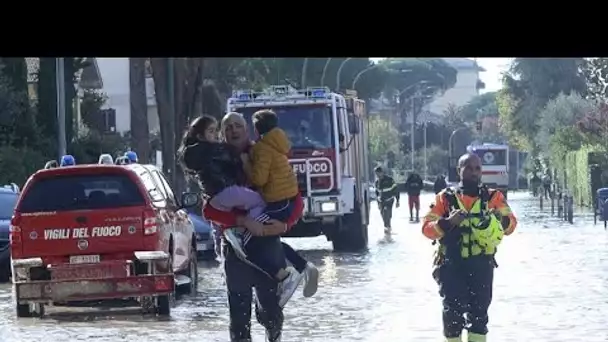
x: 464, y: 64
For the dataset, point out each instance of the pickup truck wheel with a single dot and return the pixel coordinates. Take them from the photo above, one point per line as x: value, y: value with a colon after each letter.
x: 5, y: 264
x: 165, y: 302
x: 23, y: 310
x: 163, y: 305
x: 353, y: 235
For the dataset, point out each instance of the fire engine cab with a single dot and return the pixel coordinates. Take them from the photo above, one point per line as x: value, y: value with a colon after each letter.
x: 328, y: 154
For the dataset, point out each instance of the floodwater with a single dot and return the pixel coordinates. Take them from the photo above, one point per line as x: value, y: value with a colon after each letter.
x: 551, y: 285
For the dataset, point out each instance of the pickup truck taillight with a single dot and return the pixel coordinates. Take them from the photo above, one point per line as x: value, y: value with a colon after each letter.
x: 15, y: 236
x: 150, y: 224
x: 150, y: 229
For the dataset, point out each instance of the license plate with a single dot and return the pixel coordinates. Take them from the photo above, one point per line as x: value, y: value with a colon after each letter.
x: 91, y: 271
x: 203, y: 247
x: 84, y: 259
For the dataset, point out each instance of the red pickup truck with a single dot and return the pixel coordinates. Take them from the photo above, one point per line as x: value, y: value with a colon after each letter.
x: 101, y: 232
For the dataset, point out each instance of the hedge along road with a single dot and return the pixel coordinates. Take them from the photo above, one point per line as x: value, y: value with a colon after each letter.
x: 550, y: 286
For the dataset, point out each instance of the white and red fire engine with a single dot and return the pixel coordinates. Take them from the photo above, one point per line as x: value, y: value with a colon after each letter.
x: 329, y: 156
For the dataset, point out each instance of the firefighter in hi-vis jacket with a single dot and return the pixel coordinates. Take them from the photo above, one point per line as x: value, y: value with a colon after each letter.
x: 469, y: 222
x: 386, y: 195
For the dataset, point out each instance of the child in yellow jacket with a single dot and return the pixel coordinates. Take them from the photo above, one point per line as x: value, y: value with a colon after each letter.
x: 268, y: 170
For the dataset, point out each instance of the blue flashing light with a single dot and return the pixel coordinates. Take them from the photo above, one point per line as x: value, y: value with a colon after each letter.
x: 67, y: 160
x: 243, y: 97
x: 318, y: 93
x: 131, y: 156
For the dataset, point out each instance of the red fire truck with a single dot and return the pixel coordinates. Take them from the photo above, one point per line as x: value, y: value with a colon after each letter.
x: 329, y: 155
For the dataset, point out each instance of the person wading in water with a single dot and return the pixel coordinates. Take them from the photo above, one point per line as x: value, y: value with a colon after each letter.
x: 469, y: 222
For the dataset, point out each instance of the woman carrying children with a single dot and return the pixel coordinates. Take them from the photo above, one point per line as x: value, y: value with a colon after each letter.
x: 219, y: 170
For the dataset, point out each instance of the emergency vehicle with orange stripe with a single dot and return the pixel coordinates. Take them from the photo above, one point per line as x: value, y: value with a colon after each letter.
x: 329, y: 155
x: 494, y: 165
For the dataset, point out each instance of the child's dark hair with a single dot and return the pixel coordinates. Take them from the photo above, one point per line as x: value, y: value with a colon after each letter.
x: 264, y: 121
x: 196, y: 127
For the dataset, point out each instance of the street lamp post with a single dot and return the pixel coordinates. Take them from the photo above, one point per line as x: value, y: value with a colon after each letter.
x: 338, y: 74
x: 361, y: 74
x: 304, y: 70
x: 60, y: 83
x: 450, y: 147
x: 325, y: 71
x: 425, y: 151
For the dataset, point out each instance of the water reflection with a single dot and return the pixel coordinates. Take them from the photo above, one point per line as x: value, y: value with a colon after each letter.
x: 551, y: 286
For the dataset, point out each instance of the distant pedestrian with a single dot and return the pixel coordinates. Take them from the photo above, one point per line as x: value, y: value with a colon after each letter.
x: 386, y: 194
x: 547, y: 185
x: 413, y: 187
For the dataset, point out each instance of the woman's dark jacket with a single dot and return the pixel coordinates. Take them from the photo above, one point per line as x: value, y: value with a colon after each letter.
x: 215, y: 166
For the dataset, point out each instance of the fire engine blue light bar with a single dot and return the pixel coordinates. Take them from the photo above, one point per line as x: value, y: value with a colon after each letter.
x: 318, y: 92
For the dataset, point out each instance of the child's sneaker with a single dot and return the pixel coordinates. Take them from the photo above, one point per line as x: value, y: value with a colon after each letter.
x: 233, y: 236
x: 289, y: 285
x: 311, y: 280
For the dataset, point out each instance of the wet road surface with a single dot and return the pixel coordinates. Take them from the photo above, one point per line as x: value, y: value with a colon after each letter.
x: 551, y: 285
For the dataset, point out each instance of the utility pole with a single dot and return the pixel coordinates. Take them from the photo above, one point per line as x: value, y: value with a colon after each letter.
x: 171, y: 128
x: 60, y: 83
x: 412, y: 141
x: 425, y: 155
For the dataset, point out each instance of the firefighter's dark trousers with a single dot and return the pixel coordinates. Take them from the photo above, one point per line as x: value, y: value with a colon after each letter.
x: 240, y: 279
x: 386, y: 210
x: 465, y: 287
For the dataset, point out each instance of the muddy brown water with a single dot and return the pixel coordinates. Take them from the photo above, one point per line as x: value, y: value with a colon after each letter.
x: 551, y: 285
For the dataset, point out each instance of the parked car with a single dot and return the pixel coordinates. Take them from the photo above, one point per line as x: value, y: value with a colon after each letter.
x: 205, y: 245
x: 101, y: 232
x: 8, y: 199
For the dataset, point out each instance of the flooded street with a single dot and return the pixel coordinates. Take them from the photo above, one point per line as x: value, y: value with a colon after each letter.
x: 551, y: 285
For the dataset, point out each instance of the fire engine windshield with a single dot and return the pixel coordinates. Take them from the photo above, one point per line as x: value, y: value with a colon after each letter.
x: 307, y: 126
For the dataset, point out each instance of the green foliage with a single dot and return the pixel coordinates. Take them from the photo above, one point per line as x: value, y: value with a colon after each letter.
x: 15, y: 71
x: 87, y: 147
x: 18, y: 163
x: 529, y: 85
x: 578, y: 175
x: 557, y: 134
x: 258, y: 73
x: 434, y: 75
x: 17, y: 126
x: 437, y: 161
x: 596, y: 74
x: 479, y: 107
x: 91, y: 104
x: 507, y: 106
x: 383, y: 138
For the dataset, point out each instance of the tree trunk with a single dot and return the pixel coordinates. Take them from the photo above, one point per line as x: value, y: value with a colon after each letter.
x: 187, y: 79
x: 140, y: 132
x: 166, y: 115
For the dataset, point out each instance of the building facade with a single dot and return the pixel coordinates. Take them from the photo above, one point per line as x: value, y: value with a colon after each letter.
x: 467, y: 85
x: 115, y: 74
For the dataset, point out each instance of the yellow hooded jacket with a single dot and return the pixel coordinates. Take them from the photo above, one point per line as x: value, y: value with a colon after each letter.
x: 270, y: 170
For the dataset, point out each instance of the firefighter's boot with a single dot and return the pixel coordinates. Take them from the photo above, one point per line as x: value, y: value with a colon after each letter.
x: 473, y: 337
x: 452, y: 339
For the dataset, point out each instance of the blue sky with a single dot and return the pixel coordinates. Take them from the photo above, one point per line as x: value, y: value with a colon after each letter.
x: 494, y: 67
